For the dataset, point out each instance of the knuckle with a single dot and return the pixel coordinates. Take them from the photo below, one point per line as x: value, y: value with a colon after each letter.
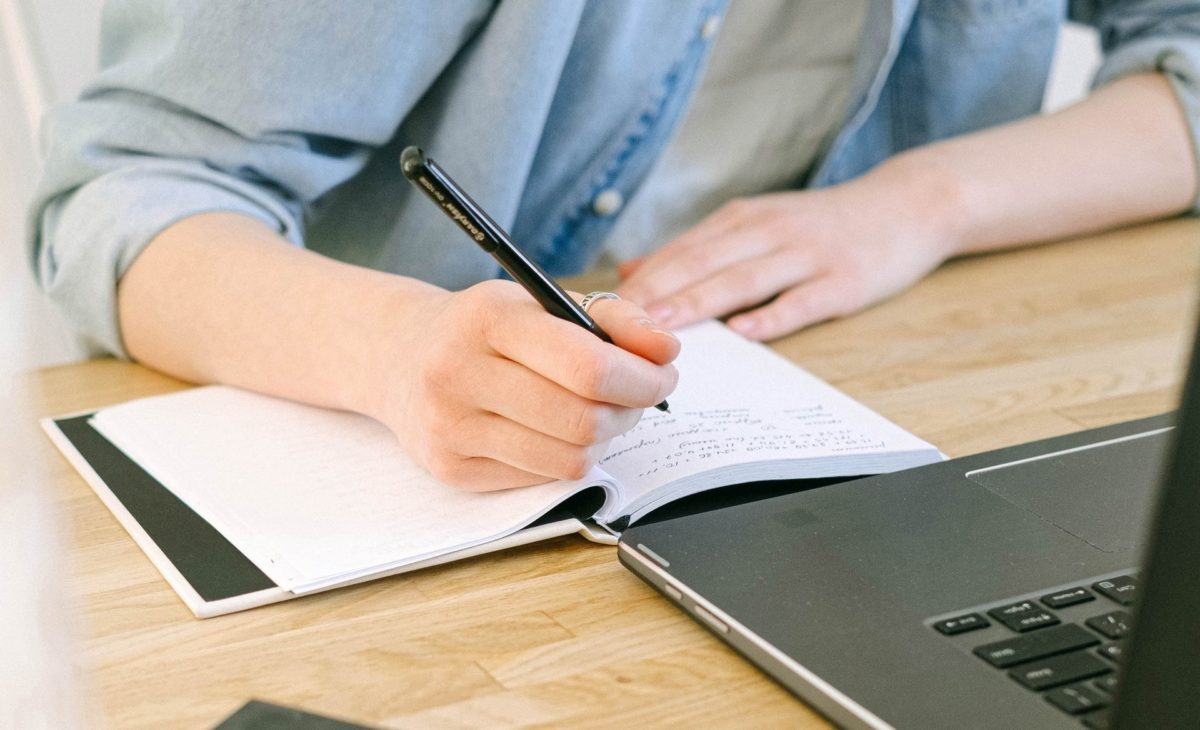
x: 738, y: 207
x: 755, y: 279
x: 590, y: 375
x: 769, y: 319
x: 438, y: 372
x: 852, y: 293
x: 732, y: 208
x: 574, y: 463
x: 443, y: 467
x: 440, y: 434
x: 493, y: 290
x: 486, y: 320
x: 483, y: 305
x: 782, y: 227
x: 689, y: 300
x: 702, y: 260
x: 627, y: 310
x: 587, y: 422
x: 675, y: 247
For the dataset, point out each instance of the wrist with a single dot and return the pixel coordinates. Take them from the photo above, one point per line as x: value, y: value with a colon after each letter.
x: 399, y: 308
x: 927, y: 196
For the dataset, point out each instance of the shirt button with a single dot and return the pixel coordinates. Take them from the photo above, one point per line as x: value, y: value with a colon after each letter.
x: 608, y: 202
x: 711, y: 24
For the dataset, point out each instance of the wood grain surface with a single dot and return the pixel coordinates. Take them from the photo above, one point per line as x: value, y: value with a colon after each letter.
x: 988, y: 351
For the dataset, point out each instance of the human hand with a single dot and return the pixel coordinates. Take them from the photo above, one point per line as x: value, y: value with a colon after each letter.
x: 488, y: 391
x: 787, y: 260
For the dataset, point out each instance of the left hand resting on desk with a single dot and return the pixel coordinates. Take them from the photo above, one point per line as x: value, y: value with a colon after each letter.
x: 792, y: 259
x: 1121, y: 155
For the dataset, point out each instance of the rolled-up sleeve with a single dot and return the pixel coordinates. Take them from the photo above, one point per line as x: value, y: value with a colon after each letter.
x: 255, y: 108
x: 1159, y: 36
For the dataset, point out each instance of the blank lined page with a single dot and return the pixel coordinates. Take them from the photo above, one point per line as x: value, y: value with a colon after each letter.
x: 313, y: 497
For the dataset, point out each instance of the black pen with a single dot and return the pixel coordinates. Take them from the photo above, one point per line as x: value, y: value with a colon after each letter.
x: 441, y: 189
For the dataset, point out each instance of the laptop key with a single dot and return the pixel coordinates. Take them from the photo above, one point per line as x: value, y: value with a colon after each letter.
x: 1059, y: 670
x: 1023, y: 616
x: 1077, y: 699
x: 1039, y: 644
x: 1122, y: 589
x: 1107, y: 684
x: 1003, y: 613
x: 1114, y: 624
x: 961, y: 624
x: 1069, y: 597
x: 1039, y: 620
x: 1112, y: 652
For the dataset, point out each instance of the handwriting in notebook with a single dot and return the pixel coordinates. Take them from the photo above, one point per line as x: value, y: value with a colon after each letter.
x: 671, y: 444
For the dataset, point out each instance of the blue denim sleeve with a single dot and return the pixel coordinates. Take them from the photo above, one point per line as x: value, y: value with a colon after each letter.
x: 1140, y: 36
x: 258, y: 108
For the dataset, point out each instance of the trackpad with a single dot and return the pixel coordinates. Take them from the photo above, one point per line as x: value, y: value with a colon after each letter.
x: 1101, y: 494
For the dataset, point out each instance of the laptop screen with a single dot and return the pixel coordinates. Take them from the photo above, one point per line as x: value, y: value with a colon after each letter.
x: 1160, y: 681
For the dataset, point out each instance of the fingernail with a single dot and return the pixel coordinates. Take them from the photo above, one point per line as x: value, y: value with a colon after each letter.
x: 661, y: 312
x: 744, y: 326
x: 652, y: 326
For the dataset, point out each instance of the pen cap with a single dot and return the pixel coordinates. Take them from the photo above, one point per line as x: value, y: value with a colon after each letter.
x: 456, y: 204
x: 412, y: 162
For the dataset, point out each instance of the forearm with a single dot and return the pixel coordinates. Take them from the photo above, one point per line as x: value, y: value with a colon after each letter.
x: 1120, y: 156
x: 221, y: 298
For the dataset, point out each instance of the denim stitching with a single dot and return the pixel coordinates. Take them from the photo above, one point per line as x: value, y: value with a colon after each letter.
x: 642, y: 128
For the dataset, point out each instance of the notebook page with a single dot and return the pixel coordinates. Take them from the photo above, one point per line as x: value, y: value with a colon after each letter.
x: 738, y: 402
x: 313, y: 497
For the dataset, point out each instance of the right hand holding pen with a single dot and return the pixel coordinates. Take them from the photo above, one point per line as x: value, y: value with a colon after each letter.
x: 488, y: 391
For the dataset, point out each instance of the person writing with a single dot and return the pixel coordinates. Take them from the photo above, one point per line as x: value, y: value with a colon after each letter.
x: 224, y: 201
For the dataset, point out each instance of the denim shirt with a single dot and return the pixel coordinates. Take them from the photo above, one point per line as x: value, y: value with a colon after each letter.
x: 295, y: 114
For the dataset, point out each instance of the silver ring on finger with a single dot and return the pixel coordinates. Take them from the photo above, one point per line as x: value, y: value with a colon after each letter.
x: 592, y: 297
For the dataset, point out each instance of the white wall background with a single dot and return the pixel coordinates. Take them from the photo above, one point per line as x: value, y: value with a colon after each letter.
x: 47, y: 52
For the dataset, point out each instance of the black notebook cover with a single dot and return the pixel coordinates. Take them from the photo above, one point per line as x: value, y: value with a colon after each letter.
x: 213, y: 567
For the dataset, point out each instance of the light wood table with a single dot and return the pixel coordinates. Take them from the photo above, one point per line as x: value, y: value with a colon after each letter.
x: 987, y: 352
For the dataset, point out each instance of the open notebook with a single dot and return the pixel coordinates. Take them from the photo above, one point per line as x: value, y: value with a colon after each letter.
x: 316, y: 499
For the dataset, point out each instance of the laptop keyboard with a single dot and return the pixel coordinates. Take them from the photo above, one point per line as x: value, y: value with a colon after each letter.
x: 1071, y: 661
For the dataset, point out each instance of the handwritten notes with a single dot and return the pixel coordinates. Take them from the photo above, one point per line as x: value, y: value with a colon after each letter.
x: 710, y: 437
x: 748, y: 410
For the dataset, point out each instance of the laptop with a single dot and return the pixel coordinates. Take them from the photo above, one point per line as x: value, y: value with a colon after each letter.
x: 1051, y: 584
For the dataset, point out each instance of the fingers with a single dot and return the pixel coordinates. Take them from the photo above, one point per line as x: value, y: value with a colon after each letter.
x: 521, y: 395
x: 577, y: 360
x: 817, y: 300
x: 493, y: 437
x: 736, y: 287
x: 723, y: 239
x: 631, y: 330
x: 491, y: 452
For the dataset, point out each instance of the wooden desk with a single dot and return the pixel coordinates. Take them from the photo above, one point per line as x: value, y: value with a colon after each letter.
x: 988, y: 351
